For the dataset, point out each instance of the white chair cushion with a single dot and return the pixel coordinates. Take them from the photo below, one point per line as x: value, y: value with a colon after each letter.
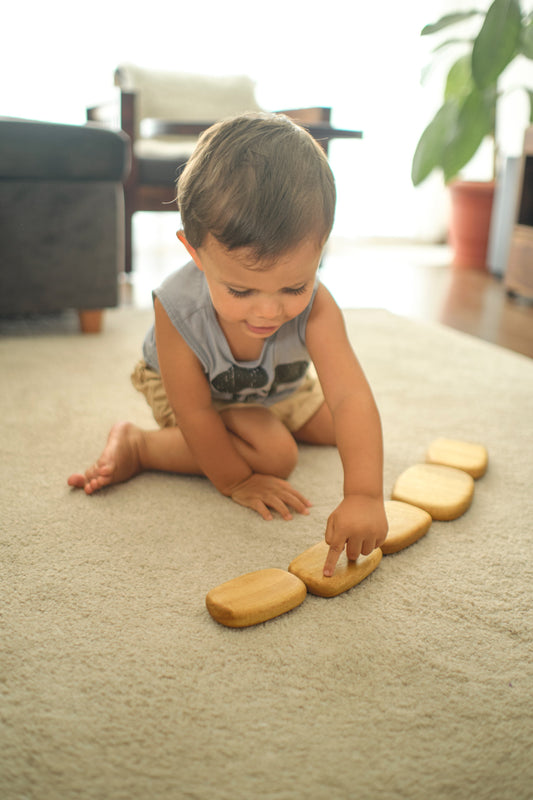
x: 185, y: 97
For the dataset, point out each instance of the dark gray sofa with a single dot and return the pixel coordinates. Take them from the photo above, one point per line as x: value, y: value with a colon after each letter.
x: 61, y: 218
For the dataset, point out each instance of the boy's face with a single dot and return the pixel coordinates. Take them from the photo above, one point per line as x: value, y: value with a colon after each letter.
x: 253, y: 299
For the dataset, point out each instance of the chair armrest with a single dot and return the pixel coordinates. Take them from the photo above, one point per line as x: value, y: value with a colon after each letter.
x: 314, y: 114
x: 326, y: 131
x: 105, y: 113
x: 152, y: 128
x: 316, y: 120
x: 159, y: 127
x: 116, y: 113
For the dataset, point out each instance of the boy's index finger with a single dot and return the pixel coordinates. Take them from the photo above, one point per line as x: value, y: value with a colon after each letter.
x: 335, y: 548
x: 331, y: 560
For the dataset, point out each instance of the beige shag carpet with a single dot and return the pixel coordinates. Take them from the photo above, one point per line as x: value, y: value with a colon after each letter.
x: 116, y: 684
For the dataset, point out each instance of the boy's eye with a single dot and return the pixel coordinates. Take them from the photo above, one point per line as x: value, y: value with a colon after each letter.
x: 248, y: 292
x: 297, y: 290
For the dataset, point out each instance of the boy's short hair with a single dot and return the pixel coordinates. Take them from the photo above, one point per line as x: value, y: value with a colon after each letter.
x: 259, y: 181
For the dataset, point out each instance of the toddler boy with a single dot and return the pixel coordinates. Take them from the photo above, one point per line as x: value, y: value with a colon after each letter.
x: 226, y: 364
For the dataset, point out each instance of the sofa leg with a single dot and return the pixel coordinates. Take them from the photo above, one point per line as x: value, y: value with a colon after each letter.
x: 91, y: 321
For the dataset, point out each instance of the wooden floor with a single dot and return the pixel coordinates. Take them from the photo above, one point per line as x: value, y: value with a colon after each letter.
x: 415, y: 281
x: 418, y: 282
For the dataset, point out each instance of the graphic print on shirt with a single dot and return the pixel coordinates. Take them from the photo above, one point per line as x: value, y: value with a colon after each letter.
x: 242, y: 383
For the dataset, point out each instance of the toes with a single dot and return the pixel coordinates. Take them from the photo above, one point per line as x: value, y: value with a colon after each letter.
x: 76, y: 480
x: 98, y: 482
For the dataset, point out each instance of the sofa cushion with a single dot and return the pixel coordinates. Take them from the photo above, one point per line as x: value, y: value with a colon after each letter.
x: 54, y: 151
x: 62, y: 245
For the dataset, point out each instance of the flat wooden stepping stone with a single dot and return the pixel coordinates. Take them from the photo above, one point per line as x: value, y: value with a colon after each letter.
x: 468, y: 456
x: 310, y: 564
x: 444, y: 492
x: 255, y: 597
x: 407, y: 524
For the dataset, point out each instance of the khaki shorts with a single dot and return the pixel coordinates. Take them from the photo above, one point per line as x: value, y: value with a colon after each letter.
x: 293, y: 412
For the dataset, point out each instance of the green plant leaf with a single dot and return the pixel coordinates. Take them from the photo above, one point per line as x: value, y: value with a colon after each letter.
x: 475, y: 120
x: 526, y: 41
x: 469, y: 110
x: 497, y: 42
x: 432, y: 144
x: 448, y: 19
x: 459, y: 81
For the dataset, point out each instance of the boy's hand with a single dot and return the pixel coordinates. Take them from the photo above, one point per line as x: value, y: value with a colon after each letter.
x: 263, y: 492
x: 360, y: 523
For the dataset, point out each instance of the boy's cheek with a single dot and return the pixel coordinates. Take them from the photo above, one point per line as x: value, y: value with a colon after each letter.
x: 230, y: 308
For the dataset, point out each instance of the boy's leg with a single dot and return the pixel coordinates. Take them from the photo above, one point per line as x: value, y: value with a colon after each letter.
x: 319, y: 429
x: 130, y: 450
x: 261, y: 439
x: 306, y: 414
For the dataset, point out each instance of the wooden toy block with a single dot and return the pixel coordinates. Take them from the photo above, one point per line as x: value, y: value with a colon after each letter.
x: 255, y: 597
x: 407, y: 524
x: 444, y: 492
x: 468, y: 456
x: 310, y: 564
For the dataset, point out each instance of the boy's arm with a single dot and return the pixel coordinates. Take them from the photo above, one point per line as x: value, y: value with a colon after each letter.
x: 359, y: 522
x: 206, y: 435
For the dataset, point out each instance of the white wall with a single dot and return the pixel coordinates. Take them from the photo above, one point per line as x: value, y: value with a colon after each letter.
x: 361, y: 58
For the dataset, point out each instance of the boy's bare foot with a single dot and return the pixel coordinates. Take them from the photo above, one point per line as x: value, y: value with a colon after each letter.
x: 119, y: 460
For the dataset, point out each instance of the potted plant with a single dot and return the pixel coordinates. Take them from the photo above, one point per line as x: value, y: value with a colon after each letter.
x: 468, y: 114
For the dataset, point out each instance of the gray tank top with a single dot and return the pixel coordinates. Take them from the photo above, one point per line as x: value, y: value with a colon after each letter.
x: 275, y: 375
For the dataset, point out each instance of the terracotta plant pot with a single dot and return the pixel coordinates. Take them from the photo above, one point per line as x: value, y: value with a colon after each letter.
x: 471, y: 210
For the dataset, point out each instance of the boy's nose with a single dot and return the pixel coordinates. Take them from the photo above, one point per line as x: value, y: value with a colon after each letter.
x: 268, y: 308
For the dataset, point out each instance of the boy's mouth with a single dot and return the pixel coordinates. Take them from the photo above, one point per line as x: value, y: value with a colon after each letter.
x: 262, y: 330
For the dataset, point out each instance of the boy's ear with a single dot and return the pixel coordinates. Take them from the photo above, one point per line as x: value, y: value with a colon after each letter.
x: 190, y: 249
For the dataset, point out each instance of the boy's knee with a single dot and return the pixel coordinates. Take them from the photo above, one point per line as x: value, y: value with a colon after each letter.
x: 268, y: 444
x: 282, y: 454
